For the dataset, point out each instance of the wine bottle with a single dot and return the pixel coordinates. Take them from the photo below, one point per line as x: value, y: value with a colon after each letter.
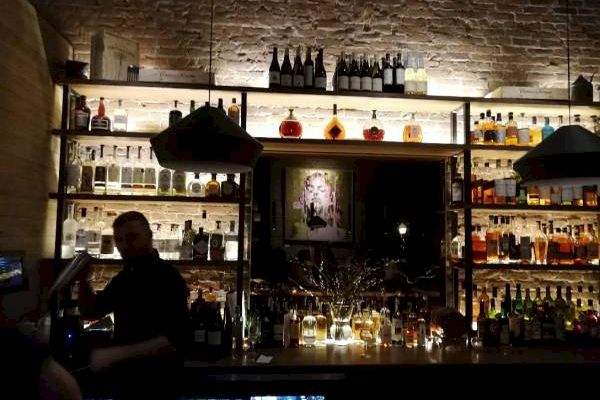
x: 274, y: 71
x: 320, y: 74
x: 399, y: 74
x: 309, y: 71
x: 388, y: 74
x: 354, y: 74
x: 343, y: 79
x: 298, y: 71
x: 174, y: 115
x: 366, y: 82
x: 286, y: 70
x: 334, y: 129
x: 377, y: 76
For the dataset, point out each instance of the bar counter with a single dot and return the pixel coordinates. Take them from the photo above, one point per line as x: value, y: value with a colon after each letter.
x: 343, y: 372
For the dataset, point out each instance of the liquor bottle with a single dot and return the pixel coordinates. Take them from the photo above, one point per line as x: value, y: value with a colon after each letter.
x: 274, y: 71
x: 100, y: 173
x: 388, y: 74
x: 179, y: 183
x: 373, y: 129
x: 215, y: 334
x: 231, y: 243
x: 107, y: 242
x: 213, y: 188
x: 309, y: 71
x: 412, y: 131
x: 377, y: 76
x: 94, y: 231
x: 343, y: 76
x: 397, y: 326
x: 399, y: 74
x: 138, y: 173
x: 120, y: 118
x: 100, y: 121
x: 488, y: 128
x: 510, y: 182
x: 126, y: 173
x: 499, y: 186
x: 164, y: 182
x: 113, y: 178
x: 81, y: 238
x: 492, y: 240
x: 198, y: 316
x: 334, y: 82
x: 298, y: 71
x: 321, y: 324
x: 590, y: 197
x: 334, y: 129
x: 593, y: 246
x: 186, y: 250
x: 309, y: 328
x: 192, y: 106
x: 512, y: 131
x: 290, y: 128
x: 535, y: 132
x: 195, y: 187
x: 200, y: 246
x: 69, y: 236
x: 456, y: 191
x: 217, y: 245
x: 421, y: 76
x: 540, y: 245
x: 547, y: 129
x: 82, y: 114
x: 410, y: 74
x: 354, y: 74
x: 286, y: 70
x: 150, y: 174
x: 500, y: 136
x: 174, y: 115
x: 220, y: 106
x: 591, y: 321
x: 523, y: 132
x: 294, y: 329
x: 74, y: 165
x: 479, y: 246
x: 233, y: 111
x: 320, y: 74
x: 476, y: 133
x: 229, y: 189
x: 366, y: 82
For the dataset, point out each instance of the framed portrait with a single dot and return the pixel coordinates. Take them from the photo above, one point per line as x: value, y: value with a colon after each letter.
x: 318, y: 205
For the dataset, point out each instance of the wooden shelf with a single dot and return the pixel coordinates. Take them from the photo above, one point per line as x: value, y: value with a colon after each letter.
x: 358, y: 148
x: 78, y: 134
x: 519, y: 208
x: 139, y: 198
x: 532, y: 267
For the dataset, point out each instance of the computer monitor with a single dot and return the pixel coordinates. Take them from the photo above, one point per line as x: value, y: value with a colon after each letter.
x: 13, y: 276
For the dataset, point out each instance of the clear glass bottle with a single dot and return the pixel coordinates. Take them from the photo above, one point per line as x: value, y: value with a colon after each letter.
x: 187, y: 241
x: 100, y: 121
x: 179, y: 183
x: 164, y: 182
x: 81, y: 241
x: 457, y: 246
x: 523, y: 133
x: 410, y: 74
x: 120, y: 118
x: 94, y: 232
x: 290, y: 128
x: 69, y: 236
x: 231, y: 243
x: 127, y: 173
x: 335, y: 130
x: 73, y: 170
x: 113, y: 181
x: 421, y: 76
x: 195, y: 186
x: 500, y: 136
x: 107, y: 242
x: 138, y: 173
x: 309, y: 328
x: 412, y: 131
x: 373, y: 129
x: 100, y: 170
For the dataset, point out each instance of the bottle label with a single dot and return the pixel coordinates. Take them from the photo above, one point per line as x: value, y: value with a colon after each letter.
x: 456, y: 192
x: 343, y: 82
x: 479, y: 246
x: 366, y: 83
x: 388, y: 77
x: 286, y: 80
x: 216, y: 240
x: 214, y: 338
x: 150, y: 177
x: 399, y: 76
x: 120, y: 122
x: 101, y: 124
x: 164, y: 180
x: 138, y: 175
x: 196, y: 188
x: 107, y: 245
x: 512, y: 132
x: 500, y: 187
x: 126, y: 176
x: 511, y: 187
x: 414, y: 132
x: 377, y: 85
x: 355, y: 82
x: 500, y: 136
x: 113, y: 173
x: 200, y: 336
x: 87, y: 179
x: 82, y: 119
x: 308, y: 75
x: 274, y: 77
x: 523, y: 136
x: 320, y: 82
x: 299, y: 81
x: 73, y: 175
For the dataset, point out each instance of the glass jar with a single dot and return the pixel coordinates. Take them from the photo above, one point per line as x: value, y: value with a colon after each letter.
x: 290, y: 128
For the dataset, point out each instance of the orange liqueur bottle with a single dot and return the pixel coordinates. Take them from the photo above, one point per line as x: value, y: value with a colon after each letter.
x: 334, y: 129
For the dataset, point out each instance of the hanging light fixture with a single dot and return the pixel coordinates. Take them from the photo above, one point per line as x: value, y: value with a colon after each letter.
x: 207, y: 140
x: 568, y: 157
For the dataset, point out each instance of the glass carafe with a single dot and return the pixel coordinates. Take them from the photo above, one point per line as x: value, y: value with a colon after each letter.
x: 290, y: 128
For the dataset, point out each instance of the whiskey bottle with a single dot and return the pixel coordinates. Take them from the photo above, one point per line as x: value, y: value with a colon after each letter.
x: 309, y: 71
x: 120, y: 118
x: 298, y: 71
x: 412, y: 131
x: 320, y: 74
x: 175, y: 115
x: 500, y: 136
x: 334, y: 129
x: 233, y: 111
x: 488, y: 128
x: 479, y: 246
x: 343, y: 77
x: 512, y: 131
x: 492, y: 239
x: 100, y: 121
x: 82, y: 115
x: 274, y: 71
x: 373, y: 129
x: 213, y: 189
x: 286, y: 70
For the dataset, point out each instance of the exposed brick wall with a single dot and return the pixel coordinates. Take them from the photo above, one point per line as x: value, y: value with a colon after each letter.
x: 470, y: 45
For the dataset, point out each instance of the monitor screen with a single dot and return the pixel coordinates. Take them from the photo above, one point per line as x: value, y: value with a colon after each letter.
x: 12, y: 271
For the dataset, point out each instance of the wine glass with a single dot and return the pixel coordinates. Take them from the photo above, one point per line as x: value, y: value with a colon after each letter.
x: 366, y: 336
x: 254, y: 329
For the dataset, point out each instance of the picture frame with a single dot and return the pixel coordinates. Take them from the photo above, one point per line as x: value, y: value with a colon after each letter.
x: 318, y: 205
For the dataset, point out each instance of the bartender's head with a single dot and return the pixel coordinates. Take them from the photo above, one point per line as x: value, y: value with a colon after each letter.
x: 132, y: 234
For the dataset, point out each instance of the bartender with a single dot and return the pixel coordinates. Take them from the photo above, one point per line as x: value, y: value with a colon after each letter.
x: 149, y: 301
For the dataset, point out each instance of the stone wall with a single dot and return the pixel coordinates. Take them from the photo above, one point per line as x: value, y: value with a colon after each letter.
x: 470, y: 46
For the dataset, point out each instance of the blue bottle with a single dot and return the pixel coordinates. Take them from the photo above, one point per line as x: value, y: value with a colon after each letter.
x: 547, y: 130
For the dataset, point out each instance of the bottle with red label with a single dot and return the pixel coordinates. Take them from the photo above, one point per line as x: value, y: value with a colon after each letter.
x: 373, y: 129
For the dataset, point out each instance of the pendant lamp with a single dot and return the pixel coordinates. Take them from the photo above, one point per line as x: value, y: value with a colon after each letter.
x: 568, y: 157
x: 207, y: 140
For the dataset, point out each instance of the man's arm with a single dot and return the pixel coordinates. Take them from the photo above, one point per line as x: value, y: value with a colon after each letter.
x: 55, y: 382
x: 102, y: 359
x: 92, y: 305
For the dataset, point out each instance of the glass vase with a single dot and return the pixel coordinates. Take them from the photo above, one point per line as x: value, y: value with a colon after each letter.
x: 341, y: 330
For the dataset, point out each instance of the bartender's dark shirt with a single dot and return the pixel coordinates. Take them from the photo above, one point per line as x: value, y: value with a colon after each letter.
x: 148, y: 299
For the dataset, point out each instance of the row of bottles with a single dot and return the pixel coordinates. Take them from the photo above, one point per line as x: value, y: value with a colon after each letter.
x: 507, y: 240
x: 212, y: 324
x: 91, y: 231
x: 402, y: 74
x: 82, y: 118
x: 523, y: 320
x: 133, y: 170
x: 373, y: 130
